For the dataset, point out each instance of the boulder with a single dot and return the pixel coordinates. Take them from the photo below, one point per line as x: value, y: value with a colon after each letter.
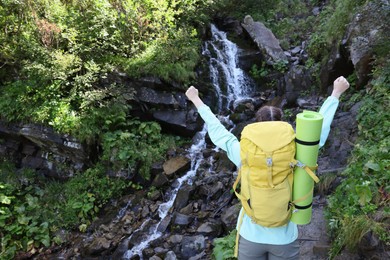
x: 210, y: 229
x: 229, y: 216
x: 266, y: 41
x: 192, y: 245
x: 183, y: 196
x: 176, y: 165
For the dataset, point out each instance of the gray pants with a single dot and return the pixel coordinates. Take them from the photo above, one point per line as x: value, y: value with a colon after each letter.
x: 254, y: 251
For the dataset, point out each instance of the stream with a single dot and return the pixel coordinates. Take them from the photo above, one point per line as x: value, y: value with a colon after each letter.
x: 231, y: 85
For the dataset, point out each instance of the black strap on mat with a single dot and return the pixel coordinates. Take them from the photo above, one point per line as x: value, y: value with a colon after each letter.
x: 303, y: 207
x: 306, y: 143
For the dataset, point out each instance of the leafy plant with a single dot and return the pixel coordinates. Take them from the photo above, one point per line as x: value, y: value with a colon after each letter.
x: 281, y: 66
x: 224, y: 246
x: 258, y: 73
x: 136, y: 148
x: 22, y: 227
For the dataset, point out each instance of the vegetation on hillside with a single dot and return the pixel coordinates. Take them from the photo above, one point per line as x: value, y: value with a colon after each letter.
x: 360, y: 205
x: 53, y: 54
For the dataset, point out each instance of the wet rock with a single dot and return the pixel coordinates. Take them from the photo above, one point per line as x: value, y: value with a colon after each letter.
x: 210, y: 229
x: 145, y: 211
x: 164, y: 224
x: 181, y: 219
x: 160, y: 180
x: 223, y: 163
x: 192, y: 245
x: 296, y: 50
x: 187, y: 210
x: 176, y: 165
x: 160, y: 251
x: 248, y: 58
x: 229, y: 216
x: 149, y: 95
x: 97, y: 246
x: 170, y: 256
x: 154, y: 196
x: 183, y: 196
x: 230, y: 25
x: 340, y: 142
x: 175, y: 121
x: 148, y: 252
x: 212, y: 191
x: 175, y: 239
x: 198, y: 256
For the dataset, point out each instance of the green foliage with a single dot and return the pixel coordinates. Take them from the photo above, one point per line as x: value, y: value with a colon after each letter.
x: 170, y: 59
x: 361, y: 203
x: 224, y: 246
x: 331, y: 27
x: 32, y: 209
x: 22, y: 227
x: 325, y: 183
x: 261, y: 73
x: 59, y: 50
x: 258, y: 73
x: 135, y: 149
x: 317, y: 45
x: 281, y: 66
x: 95, y: 121
x: 341, y: 14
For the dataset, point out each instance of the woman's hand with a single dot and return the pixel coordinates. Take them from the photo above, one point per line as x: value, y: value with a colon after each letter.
x: 193, y: 95
x: 340, y: 85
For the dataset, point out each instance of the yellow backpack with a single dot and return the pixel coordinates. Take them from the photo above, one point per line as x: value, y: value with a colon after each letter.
x: 266, y: 173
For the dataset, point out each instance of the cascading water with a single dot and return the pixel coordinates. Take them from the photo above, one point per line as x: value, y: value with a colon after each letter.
x: 230, y: 82
x: 231, y: 85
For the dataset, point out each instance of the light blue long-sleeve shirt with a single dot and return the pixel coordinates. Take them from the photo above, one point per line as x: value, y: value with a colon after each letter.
x: 228, y: 142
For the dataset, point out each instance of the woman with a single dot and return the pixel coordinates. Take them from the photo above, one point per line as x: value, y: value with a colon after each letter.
x: 256, y: 241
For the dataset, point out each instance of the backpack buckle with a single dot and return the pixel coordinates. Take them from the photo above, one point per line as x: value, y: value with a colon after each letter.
x: 269, y: 161
x: 300, y: 165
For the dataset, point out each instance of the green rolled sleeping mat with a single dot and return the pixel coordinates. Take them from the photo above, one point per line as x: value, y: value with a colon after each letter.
x: 308, y: 133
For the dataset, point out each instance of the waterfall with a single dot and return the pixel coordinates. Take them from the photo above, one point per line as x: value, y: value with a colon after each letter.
x: 231, y: 85
x: 229, y: 81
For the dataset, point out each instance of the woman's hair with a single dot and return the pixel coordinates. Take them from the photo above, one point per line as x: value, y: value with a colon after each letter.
x: 269, y: 113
